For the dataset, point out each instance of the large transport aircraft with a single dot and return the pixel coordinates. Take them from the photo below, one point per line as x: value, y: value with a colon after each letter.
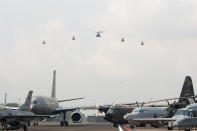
x: 13, y: 119
x: 43, y: 105
x: 154, y: 115
x: 115, y: 114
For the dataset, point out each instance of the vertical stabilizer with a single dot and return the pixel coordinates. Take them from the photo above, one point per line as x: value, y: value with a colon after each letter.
x: 53, y: 93
x: 26, y: 105
x: 187, y: 89
x: 5, y: 100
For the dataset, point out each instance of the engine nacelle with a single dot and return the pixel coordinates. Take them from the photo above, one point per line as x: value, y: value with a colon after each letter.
x: 76, y: 117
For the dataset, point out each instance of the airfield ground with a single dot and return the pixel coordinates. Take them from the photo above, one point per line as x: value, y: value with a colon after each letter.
x: 85, y: 127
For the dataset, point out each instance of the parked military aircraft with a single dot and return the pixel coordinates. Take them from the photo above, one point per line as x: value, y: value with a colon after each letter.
x: 187, y: 123
x: 147, y: 115
x: 144, y: 112
x: 43, y: 105
x: 115, y: 114
x: 16, y: 119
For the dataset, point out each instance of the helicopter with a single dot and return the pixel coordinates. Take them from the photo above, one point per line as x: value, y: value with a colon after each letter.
x: 142, y: 43
x: 98, y: 33
x: 73, y: 38
x: 44, y: 42
x: 122, y: 40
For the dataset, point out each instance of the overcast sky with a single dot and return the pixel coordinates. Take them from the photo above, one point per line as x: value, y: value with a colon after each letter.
x: 103, y: 70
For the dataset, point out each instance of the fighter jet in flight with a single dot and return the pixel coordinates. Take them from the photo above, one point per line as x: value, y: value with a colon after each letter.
x: 43, y: 105
x: 15, y: 119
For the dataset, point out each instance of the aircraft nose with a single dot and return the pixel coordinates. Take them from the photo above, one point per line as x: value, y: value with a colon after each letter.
x: 108, y: 116
x: 127, y: 117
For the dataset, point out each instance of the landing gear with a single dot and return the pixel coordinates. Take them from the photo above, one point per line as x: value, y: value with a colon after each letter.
x: 142, y: 125
x: 115, y: 125
x: 170, y: 128
x: 25, y: 127
x: 132, y: 126
x: 35, y: 123
x: 64, y: 122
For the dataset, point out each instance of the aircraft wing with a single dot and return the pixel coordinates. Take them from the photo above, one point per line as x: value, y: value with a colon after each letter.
x: 24, y: 117
x: 153, y: 120
x: 61, y: 110
x: 71, y: 99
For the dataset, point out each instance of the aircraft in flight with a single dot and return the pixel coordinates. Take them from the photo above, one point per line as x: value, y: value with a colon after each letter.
x: 44, y: 42
x: 43, y: 105
x: 73, y: 38
x: 98, y: 33
x: 142, y: 43
x: 11, y: 119
x: 122, y: 40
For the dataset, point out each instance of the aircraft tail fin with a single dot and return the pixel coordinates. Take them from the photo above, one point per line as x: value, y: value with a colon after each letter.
x: 5, y: 100
x: 26, y: 105
x: 53, y: 93
x: 187, y: 89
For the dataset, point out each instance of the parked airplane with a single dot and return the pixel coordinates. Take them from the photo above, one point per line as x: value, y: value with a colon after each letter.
x: 16, y: 119
x: 144, y: 112
x: 148, y: 115
x: 187, y: 123
x: 43, y: 105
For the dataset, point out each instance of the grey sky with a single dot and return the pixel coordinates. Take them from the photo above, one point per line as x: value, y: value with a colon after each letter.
x: 102, y: 70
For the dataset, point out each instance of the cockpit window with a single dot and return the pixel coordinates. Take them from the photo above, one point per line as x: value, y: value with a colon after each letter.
x: 137, y: 110
x: 183, y: 112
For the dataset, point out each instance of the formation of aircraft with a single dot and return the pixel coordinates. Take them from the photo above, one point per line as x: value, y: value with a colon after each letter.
x: 98, y: 35
x: 43, y: 105
x: 13, y: 119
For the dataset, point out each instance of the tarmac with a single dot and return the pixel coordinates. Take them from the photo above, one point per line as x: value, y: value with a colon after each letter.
x: 46, y: 126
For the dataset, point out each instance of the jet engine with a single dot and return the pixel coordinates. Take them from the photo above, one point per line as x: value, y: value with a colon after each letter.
x: 76, y: 117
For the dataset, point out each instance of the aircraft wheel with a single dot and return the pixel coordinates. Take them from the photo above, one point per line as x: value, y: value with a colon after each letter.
x: 29, y: 123
x: 115, y: 125
x: 66, y: 123
x: 187, y: 129
x: 170, y: 128
x: 132, y: 126
x: 142, y: 125
x: 61, y: 123
x: 155, y: 126
x: 25, y: 127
